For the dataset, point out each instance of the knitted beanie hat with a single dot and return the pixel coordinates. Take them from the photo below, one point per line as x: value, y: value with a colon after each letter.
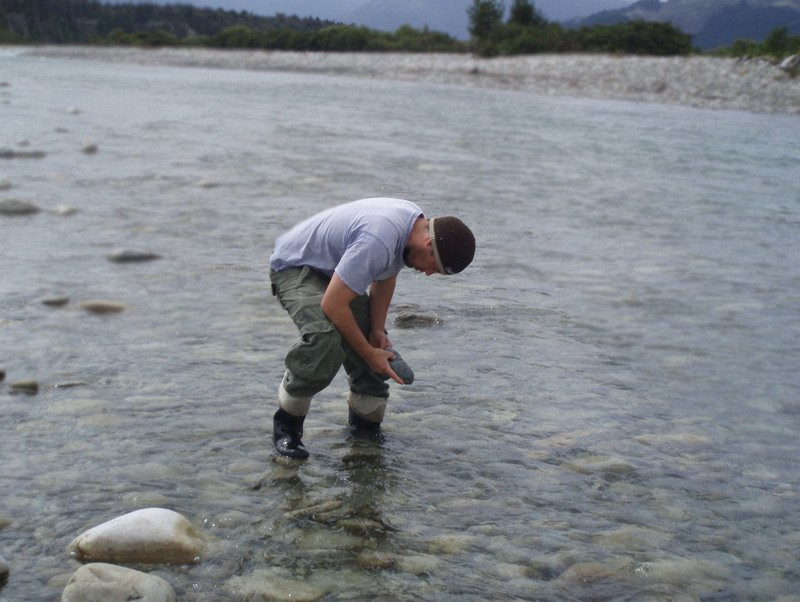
x: 453, y: 244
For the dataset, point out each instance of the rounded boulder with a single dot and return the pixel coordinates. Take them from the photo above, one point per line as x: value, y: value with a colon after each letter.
x: 100, y: 582
x: 148, y: 536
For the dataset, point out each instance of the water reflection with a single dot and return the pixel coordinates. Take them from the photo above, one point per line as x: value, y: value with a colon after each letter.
x: 325, y: 520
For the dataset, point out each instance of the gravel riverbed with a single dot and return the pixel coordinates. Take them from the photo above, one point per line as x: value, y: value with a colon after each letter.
x: 698, y: 81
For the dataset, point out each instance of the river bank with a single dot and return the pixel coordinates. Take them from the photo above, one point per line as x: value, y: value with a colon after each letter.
x: 698, y: 81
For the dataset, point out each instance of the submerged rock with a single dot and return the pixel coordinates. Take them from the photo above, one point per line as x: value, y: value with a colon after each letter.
x: 55, y: 301
x: 128, y: 256
x: 600, y: 464
x: 418, y: 564
x: 2, y: 375
x: 10, y: 153
x: 29, y: 387
x: 374, y: 560
x: 4, y: 570
x: 101, y: 307
x: 100, y: 582
x: 148, y: 536
x: 672, y: 439
x: 5, y: 185
x: 89, y: 149
x: 265, y: 584
x: 410, y: 320
x: 14, y: 207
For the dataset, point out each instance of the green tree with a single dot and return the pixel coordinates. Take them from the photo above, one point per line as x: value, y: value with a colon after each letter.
x: 523, y: 13
x: 777, y: 42
x: 484, y: 16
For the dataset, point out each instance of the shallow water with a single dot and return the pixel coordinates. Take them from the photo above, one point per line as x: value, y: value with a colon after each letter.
x: 607, y: 408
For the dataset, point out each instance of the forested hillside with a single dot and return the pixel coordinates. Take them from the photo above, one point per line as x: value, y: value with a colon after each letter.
x: 712, y: 23
x: 75, y: 21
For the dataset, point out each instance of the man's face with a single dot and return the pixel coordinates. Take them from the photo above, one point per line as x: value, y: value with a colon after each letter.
x: 421, y: 258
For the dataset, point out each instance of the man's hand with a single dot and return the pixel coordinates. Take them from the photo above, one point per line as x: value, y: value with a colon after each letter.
x: 379, y: 362
x: 379, y: 339
x: 336, y: 306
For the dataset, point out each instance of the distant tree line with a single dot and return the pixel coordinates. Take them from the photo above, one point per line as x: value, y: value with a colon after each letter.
x: 86, y: 21
x: 527, y: 32
x: 777, y: 44
x: 524, y: 32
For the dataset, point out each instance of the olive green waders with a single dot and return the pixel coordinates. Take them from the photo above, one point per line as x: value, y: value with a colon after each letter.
x: 314, y: 361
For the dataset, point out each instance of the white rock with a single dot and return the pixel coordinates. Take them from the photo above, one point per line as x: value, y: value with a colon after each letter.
x: 151, y: 536
x: 64, y: 210
x: 791, y: 64
x: 100, y: 582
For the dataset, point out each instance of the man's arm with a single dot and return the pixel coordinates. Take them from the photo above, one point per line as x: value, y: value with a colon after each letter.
x: 380, y: 297
x: 336, y: 306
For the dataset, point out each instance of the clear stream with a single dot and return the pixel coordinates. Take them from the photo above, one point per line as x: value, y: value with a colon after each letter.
x: 607, y: 402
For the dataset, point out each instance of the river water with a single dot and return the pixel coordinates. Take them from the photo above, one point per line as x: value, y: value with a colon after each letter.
x: 607, y: 401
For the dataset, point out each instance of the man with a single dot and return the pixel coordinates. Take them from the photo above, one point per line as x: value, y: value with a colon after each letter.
x: 335, y: 275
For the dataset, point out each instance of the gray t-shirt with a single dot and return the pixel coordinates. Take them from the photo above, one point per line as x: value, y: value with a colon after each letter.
x: 362, y: 241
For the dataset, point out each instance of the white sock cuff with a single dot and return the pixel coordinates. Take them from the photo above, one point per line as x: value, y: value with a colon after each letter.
x: 296, y: 406
x: 369, y: 407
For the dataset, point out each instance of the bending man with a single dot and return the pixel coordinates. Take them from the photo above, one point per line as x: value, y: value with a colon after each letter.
x: 335, y: 275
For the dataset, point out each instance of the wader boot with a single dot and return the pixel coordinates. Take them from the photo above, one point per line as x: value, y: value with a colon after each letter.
x: 287, y: 431
x: 361, y: 424
x: 365, y: 412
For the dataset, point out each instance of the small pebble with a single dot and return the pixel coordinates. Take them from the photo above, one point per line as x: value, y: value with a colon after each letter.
x: 125, y: 256
x: 30, y: 387
x: 69, y: 385
x: 101, y: 307
x: 9, y: 153
x: 15, y: 207
x: 89, y: 149
x: 64, y: 210
x: 55, y: 301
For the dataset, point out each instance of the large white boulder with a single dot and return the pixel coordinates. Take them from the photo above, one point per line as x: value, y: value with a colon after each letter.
x: 100, y: 582
x: 150, y: 536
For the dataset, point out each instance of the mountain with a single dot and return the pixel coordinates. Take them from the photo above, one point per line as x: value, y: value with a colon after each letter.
x: 712, y: 23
